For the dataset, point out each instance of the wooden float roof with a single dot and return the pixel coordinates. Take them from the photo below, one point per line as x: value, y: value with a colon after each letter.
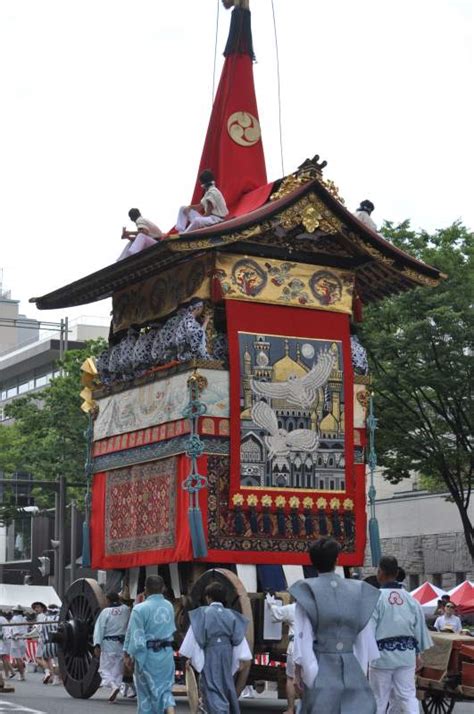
x: 304, y: 220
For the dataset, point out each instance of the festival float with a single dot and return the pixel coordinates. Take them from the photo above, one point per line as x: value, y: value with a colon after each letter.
x: 227, y: 464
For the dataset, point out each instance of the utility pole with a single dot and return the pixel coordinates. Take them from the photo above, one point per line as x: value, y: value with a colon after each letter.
x: 61, y: 535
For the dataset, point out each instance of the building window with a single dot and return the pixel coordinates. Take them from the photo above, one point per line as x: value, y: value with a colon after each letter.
x: 12, y: 392
x: 460, y: 578
x: 437, y: 580
x: 18, y: 539
x: 24, y: 387
x: 331, y: 485
x: 414, y: 581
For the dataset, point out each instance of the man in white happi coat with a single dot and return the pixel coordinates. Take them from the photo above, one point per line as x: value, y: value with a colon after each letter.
x: 5, y: 650
x: 109, y: 636
x: 286, y: 613
x: 401, y: 634
x: 146, y: 235
x: 18, y: 632
x: 210, y: 210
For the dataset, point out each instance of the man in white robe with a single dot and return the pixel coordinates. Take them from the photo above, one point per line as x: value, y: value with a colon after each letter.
x: 18, y: 630
x: 146, y: 235
x: 210, y: 210
x: 401, y: 635
x: 363, y: 213
x: 109, y: 635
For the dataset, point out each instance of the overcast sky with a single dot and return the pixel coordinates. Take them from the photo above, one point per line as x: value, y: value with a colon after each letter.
x: 105, y: 105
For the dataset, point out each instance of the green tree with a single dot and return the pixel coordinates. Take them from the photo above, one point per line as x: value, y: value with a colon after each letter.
x: 47, y: 437
x: 421, y: 352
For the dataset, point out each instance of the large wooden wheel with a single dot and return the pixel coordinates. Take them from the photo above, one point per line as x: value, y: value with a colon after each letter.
x: 438, y: 703
x: 79, y: 668
x: 237, y: 599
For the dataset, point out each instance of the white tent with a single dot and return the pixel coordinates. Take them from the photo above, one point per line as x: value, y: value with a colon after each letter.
x: 24, y: 595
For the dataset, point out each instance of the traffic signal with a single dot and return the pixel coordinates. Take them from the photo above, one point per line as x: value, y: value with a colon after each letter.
x: 45, y: 565
x: 88, y: 381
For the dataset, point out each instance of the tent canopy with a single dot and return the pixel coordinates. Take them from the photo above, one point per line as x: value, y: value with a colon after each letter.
x: 24, y: 595
x: 426, y: 593
x: 463, y: 596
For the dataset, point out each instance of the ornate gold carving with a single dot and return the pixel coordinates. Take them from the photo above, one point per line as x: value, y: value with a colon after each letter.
x: 374, y: 252
x: 331, y: 187
x: 312, y: 213
x: 348, y: 504
x: 362, y: 379
x: 243, y: 128
x: 419, y: 277
x: 252, y: 500
x: 199, y: 379
x: 280, y: 501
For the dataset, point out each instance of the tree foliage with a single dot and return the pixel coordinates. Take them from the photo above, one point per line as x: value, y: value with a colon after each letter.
x: 47, y: 437
x: 421, y: 351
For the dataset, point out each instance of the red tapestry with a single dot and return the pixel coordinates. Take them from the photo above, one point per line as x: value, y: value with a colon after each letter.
x: 243, y: 534
x: 139, y: 515
x: 292, y: 473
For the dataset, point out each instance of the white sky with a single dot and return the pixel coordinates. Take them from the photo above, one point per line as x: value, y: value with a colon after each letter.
x: 105, y: 105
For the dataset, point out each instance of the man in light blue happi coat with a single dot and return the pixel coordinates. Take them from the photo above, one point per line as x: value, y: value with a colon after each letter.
x: 149, y: 642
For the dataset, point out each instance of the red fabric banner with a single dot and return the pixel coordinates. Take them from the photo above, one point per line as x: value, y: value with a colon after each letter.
x: 233, y: 148
x: 139, y: 514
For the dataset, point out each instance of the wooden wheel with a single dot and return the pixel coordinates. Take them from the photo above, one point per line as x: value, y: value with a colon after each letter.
x: 192, y: 690
x: 79, y: 668
x: 438, y: 703
x: 237, y: 599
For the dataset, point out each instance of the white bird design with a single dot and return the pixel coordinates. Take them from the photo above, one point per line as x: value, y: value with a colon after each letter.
x: 299, y: 391
x: 281, y: 442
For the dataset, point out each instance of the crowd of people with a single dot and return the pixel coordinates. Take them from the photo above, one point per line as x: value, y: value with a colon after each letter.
x: 17, y: 629
x: 352, y: 647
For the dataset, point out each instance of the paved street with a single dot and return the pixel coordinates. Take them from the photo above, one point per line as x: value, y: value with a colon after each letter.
x: 32, y: 697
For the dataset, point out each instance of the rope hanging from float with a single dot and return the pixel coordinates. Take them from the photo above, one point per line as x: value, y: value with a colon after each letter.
x: 194, y: 449
x: 374, y: 533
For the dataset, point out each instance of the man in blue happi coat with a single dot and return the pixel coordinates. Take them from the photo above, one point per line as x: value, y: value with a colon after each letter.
x: 334, y: 641
x: 149, y: 642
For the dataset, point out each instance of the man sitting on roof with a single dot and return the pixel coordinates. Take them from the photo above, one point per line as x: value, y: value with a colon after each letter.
x: 363, y: 214
x: 211, y: 209
x: 146, y: 235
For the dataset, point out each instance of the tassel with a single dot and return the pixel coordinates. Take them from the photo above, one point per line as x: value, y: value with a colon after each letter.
x: 336, y: 525
x: 308, y: 522
x: 357, y: 309
x: 86, y: 545
x: 323, y: 524
x: 281, y: 522
x: 374, y: 537
x: 253, y: 520
x: 348, y: 525
x: 267, y: 521
x: 196, y: 528
x: 239, y: 526
x: 295, y: 522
